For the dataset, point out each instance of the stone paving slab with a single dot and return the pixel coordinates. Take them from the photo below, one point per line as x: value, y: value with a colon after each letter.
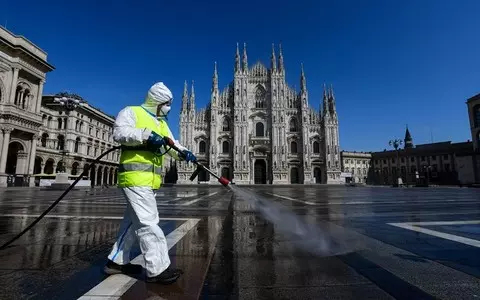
x: 232, y: 253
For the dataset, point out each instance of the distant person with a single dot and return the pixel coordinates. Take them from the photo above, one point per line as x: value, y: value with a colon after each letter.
x: 140, y: 129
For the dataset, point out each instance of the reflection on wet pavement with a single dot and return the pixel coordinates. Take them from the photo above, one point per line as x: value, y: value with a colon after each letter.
x: 234, y: 253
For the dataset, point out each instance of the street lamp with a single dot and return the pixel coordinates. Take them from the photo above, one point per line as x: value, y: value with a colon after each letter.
x: 68, y: 102
x: 396, y: 143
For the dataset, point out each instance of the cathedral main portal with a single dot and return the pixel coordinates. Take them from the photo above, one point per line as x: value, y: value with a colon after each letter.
x: 260, y: 171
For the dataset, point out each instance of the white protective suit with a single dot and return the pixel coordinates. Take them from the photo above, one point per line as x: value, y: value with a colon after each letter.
x: 141, y: 215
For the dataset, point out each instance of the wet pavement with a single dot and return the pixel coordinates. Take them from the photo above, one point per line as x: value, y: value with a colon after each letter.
x: 408, y: 243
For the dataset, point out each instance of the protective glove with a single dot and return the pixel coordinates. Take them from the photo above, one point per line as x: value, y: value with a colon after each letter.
x: 189, y: 156
x: 155, y: 141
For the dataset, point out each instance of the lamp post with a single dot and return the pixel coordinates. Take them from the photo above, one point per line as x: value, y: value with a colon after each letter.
x: 396, y: 145
x: 68, y: 102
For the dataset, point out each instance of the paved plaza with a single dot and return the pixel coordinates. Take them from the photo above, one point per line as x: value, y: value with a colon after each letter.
x: 403, y: 243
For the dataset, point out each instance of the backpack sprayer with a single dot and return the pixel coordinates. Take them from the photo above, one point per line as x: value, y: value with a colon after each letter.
x: 168, y: 141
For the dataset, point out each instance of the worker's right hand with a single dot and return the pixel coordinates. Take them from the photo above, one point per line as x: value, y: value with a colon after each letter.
x: 155, y: 141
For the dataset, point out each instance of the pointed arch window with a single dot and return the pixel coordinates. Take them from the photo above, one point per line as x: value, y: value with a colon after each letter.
x: 293, y: 125
x: 226, y: 124
x: 260, y: 95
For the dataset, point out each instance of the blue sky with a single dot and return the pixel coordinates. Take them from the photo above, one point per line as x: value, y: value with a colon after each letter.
x: 391, y: 62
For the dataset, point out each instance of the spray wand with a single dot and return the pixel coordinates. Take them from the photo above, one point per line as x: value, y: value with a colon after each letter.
x: 224, y: 181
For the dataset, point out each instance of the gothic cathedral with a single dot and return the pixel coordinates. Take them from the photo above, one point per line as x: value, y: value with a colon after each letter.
x: 259, y: 130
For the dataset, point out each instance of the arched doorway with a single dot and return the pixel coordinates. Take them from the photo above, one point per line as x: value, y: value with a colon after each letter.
x: 225, y: 172
x: 92, y: 175
x: 294, y: 175
x: 75, y: 168
x: 202, y: 175
x: 37, y: 168
x: 110, y: 180
x: 99, y: 176
x: 317, y: 174
x: 260, y: 172
x: 49, y: 166
x: 105, y: 176
x: 15, y: 149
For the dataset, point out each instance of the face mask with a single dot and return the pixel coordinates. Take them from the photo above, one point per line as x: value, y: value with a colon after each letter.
x: 163, y: 110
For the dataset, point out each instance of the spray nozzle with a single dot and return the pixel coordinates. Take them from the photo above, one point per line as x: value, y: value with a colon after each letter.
x: 224, y: 181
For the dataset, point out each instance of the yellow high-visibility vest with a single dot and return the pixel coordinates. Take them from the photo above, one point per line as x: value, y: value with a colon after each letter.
x: 142, y: 167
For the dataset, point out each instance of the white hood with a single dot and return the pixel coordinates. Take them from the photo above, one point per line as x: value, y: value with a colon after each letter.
x: 157, y: 94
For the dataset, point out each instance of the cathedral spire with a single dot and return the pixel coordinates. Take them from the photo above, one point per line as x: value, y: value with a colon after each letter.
x: 331, y: 100
x: 215, y: 78
x: 185, y: 104
x: 303, y: 82
x: 325, y: 101
x: 281, y: 67
x: 192, y: 97
x: 244, y: 58
x: 273, y: 60
x: 408, y: 141
x: 237, y: 60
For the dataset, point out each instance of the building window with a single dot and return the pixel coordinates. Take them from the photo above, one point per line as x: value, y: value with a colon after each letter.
x: 434, y: 157
x: 412, y: 159
x: 226, y: 124
x: 44, y: 140
x: 476, y: 116
x: 202, y: 146
x: 293, y: 147
x: 447, y: 167
x: 403, y: 159
x: 413, y: 169
x: 61, y: 143
x: 89, y: 148
x: 77, y: 144
x: 423, y: 158
x: 59, y: 122
x: 445, y: 156
x: 293, y: 125
x: 225, y: 147
x: 260, y: 98
x: 316, y: 147
x: 259, y: 129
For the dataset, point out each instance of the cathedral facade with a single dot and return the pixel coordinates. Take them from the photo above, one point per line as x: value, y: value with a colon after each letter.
x: 259, y: 130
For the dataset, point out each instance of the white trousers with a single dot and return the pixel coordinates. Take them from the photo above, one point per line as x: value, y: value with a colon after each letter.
x: 140, y: 223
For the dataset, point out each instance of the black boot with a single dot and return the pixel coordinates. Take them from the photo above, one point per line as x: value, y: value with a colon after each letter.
x: 112, y: 268
x: 169, y: 276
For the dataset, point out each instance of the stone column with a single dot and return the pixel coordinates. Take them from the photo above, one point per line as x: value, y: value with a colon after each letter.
x: 3, y: 159
x: 6, y: 142
x: 33, y: 151
x: 13, y: 87
x: 39, y: 96
x: 1, y: 143
x: 31, y: 164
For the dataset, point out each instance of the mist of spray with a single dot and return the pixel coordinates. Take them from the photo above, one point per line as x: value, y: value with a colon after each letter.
x: 314, y: 239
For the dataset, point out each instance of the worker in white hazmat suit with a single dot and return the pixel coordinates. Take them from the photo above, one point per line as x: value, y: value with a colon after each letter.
x: 140, y: 129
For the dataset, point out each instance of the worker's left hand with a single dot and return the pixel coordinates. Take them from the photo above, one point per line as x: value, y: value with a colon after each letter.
x: 189, y: 156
